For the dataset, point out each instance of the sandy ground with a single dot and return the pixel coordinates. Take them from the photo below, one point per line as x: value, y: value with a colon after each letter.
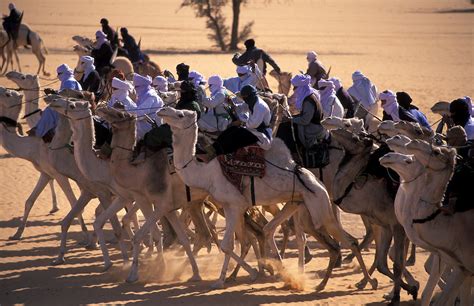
x: 423, y: 47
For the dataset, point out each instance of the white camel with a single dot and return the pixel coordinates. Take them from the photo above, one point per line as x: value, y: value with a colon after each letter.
x: 284, y: 181
x: 27, y: 37
x: 32, y: 149
x: 425, y: 176
x: 30, y: 85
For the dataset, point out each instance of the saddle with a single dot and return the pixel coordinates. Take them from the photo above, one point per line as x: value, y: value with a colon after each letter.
x: 246, y: 161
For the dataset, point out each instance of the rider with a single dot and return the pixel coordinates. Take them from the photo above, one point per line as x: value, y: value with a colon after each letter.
x: 344, y: 97
x: 90, y: 80
x: 364, y: 94
x: 392, y: 110
x: 189, y: 97
x: 460, y: 110
x: 244, y: 77
x: 102, y: 52
x: 112, y: 36
x: 307, y: 124
x: 49, y: 117
x: 255, y: 55
x: 405, y: 100
x: 120, y: 97
x: 217, y: 117
x: 256, y: 129
x: 12, y: 22
x: 148, y: 103
x: 129, y: 44
x: 315, y: 68
x: 332, y: 107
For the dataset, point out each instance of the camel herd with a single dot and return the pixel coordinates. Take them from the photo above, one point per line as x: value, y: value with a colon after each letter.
x: 312, y: 197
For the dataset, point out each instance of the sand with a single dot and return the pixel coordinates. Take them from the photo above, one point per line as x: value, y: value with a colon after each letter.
x: 422, y: 47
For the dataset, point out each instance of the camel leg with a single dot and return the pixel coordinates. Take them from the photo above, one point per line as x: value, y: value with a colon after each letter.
x: 336, y: 230
x: 203, y: 233
x: 286, y: 235
x: 176, y: 224
x: 83, y: 200
x: 40, y: 185
x: 453, y: 284
x: 233, y: 218
x: 269, y: 230
x: 411, y: 260
x: 127, y: 219
x: 55, y: 207
x: 300, y: 242
x: 110, y: 213
x: 17, y: 59
x: 63, y: 182
x: 334, y: 250
x: 136, y: 241
x: 365, y: 243
x: 437, y: 267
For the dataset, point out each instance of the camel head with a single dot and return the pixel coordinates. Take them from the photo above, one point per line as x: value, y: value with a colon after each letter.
x: 80, y: 51
x: 397, y: 143
x: 178, y: 119
x: 352, y: 143
x: 10, y: 103
x: 435, y: 158
x: 441, y: 108
x: 353, y: 125
x: 405, y: 165
x: 83, y: 41
x: 284, y: 81
x: 118, y: 119
x: 69, y: 107
x: 27, y: 81
x: 387, y: 127
x: 414, y: 130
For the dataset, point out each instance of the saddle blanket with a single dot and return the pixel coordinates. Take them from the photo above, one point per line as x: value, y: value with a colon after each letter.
x: 247, y: 161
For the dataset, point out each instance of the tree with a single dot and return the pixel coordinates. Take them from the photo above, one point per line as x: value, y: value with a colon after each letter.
x: 216, y: 21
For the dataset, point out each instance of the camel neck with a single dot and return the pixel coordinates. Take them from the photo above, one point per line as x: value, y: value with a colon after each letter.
x: 25, y: 147
x: 436, y: 184
x: 90, y: 165
x: 31, y: 104
x: 123, y: 142
x: 63, y: 133
x: 191, y: 172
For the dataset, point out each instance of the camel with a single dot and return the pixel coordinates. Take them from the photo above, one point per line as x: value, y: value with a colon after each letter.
x: 27, y: 37
x: 350, y: 194
x: 284, y: 182
x: 409, y: 129
x: 120, y: 62
x: 148, y: 67
x: 425, y: 176
x: 32, y: 149
x: 31, y: 87
x: 284, y: 81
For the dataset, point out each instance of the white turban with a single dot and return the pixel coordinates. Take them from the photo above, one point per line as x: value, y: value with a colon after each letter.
x: 363, y: 90
x: 139, y: 80
x: 64, y: 68
x: 215, y: 83
x: 160, y: 83
x: 243, y: 69
x: 120, y: 90
x: 101, y: 38
x: 197, y: 78
x: 302, y: 82
x: 311, y: 56
x: 119, y: 84
x: 337, y: 83
x: 87, y: 63
x: 391, y: 105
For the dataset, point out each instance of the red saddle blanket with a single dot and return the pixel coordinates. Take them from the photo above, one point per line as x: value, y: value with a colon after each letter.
x: 247, y: 161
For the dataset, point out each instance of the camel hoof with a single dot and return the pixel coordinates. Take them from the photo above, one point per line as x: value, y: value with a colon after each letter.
x: 338, y: 263
x: 107, y: 266
x: 347, y: 259
x: 395, y: 301
x: 231, y: 279
x: 132, y: 279
x: 195, y: 278
x: 320, y: 287
x: 374, y: 283
x: 361, y: 285
x: 253, y: 275
x: 218, y: 285
x: 58, y: 261
x: 53, y: 210
x: 414, y: 292
x: 91, y: 246
x: 17, y: 236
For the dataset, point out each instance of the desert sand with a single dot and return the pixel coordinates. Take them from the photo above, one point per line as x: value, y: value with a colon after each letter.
x: 423, y: 47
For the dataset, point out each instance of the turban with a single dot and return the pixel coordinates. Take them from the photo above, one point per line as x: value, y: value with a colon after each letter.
x: 119, y: 84
x: 357, y: 75
x: 459, y: 109
x: 249, y: 43
x: 391, y: 105
x: 363, y: 90
x: 64, y: 68
x: 404, y: 99
x: 11, y: 6
x: 160, y: 83
x: 101, y: 39
x: 303, y: 88
x: 325, y: 83
x: 311, y: 56
x: 139, y: 80
x: 197, y: 78
x: 87, y: 63
x: 215, y: 83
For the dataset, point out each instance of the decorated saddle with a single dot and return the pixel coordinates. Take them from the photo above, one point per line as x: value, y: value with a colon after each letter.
x: 246, y: 161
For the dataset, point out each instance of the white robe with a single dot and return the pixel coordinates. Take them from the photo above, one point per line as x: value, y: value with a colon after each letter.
x: 235, y: 84
x: 261, y: 113
x: 149, y: 107
x: 216, y: 118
